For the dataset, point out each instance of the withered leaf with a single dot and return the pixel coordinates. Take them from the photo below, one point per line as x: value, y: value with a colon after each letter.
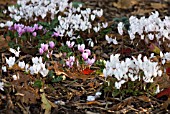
x: 45, y: 104
x: 27, y: 94
x: 3, y: 44
x: 125, y: 4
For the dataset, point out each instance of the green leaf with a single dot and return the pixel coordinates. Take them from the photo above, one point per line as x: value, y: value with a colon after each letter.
x: 57, y: 79
x: 76, y: 4
x: 38, y: 83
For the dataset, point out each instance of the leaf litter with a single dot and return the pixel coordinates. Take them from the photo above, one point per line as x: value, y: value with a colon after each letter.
x: 72, y: 93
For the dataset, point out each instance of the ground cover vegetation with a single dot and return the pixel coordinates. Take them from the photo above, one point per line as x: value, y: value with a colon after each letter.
x: 59, y: 56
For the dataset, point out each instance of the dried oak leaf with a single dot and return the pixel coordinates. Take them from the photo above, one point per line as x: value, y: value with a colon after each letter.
x: 27, y: 94
x: 3, y: 43
x: 158, y: 5
x: 46, y: 104
x: 125, y: 4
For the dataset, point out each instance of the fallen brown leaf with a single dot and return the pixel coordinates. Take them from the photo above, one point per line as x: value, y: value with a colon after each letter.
x: 125, y: 4
x: 144, y: 98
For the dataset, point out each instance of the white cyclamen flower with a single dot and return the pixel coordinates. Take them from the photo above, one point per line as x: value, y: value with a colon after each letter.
x: 21, y: 64
x: 120, y: 28
x: 44, y: 72
x: 16, y: 52
x: 10, y: 61
x: 15, y: 77
x: 98, y: 94
x: 90, y: 98
x: 4, y: 68
x: 2, y: 86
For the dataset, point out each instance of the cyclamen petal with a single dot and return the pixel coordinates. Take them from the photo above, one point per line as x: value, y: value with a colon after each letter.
x: 10, y: 61
x: 87, y: 51
x: 41, y: 51
x: 85, y: 56
x: 70, y: 44
x: 21, y: 64
x: 44, y: 47
x: 81, y: 47
x: 51, y: 44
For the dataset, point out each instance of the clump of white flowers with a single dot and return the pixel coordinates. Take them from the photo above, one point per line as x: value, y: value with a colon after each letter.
x: 76, y: 19
x: 148, y: 28
x: 37, y: 67
x: 31, y: 9
x: 129, y: 69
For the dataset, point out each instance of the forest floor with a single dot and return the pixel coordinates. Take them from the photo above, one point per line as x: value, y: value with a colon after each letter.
x: 69, y: 96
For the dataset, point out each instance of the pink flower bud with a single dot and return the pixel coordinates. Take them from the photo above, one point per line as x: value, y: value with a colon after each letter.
x: 41, y: 51
x: 51, y: 44
x: 34, y: 34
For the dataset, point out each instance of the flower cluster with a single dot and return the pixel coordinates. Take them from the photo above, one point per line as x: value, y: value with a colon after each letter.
x: 78, y: 20
x: 44, y: 48
x: 85, y: 54
x: 70, y: 61
x: 21, y: 29
x: 8, y: 24
x: 32, y: 9
x: 149, y: 28
x: 37, y: 67
x: 130, y: 69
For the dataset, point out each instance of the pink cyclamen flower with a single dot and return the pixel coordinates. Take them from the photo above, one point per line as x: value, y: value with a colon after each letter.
x: 87, y: 51
x: 40, y: 27
x: 85, y: 55
x: 34, y: 34
x: 56, y: 34
x: 41, y: 51
x: 70, y: 44
x: 90, y: 61
x: 70, y: 61
x: 81, y: 47
x: 29, y: 29
x: 44, y: 47
x: 20, y: 31
x: 51, y: 44
x: 36, y: 26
